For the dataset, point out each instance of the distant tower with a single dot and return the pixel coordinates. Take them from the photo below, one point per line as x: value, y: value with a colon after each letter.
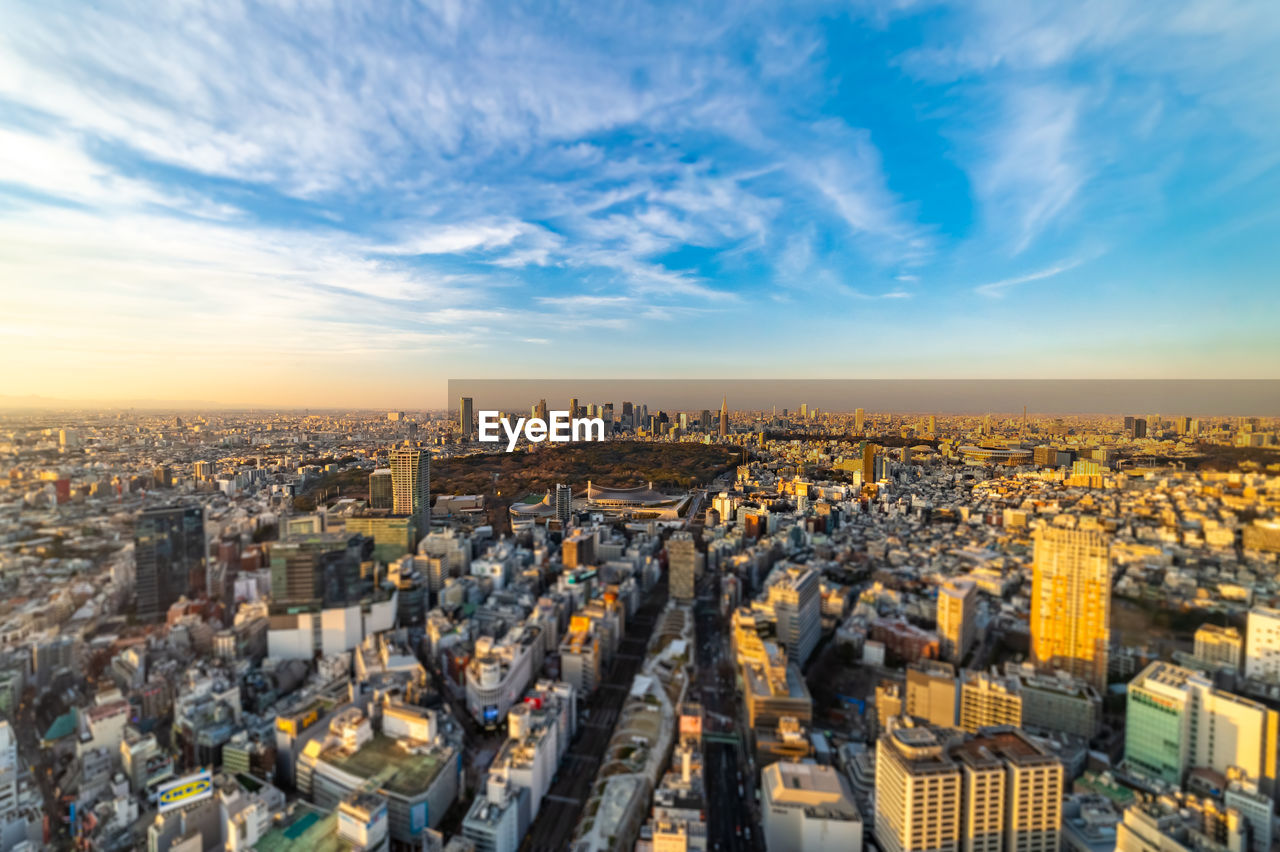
x: 564, y: 499
x: 1071, y: 603
x: 465, y: 418
x: 859, y: 417
x: 724, y: 417
x: 573, y: 406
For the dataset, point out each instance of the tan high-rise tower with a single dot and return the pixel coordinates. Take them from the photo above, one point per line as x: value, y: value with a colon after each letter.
x: 1071, y: 603
x: 957, y: 618
x: 724, y: 417
x: 411, y: 485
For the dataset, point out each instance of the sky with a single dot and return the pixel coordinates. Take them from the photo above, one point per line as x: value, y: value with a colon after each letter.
x: 348, y: 204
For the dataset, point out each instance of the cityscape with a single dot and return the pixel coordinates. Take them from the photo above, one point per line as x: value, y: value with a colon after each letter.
x: 640, y: 426
x: 733, y: 629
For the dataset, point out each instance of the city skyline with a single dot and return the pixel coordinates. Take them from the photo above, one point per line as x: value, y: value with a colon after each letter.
x: 190, y: 199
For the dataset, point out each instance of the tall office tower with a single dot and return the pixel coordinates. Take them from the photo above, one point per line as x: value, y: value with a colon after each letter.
x: 381, y: 493
x: 724, y: 417
x: 1139, y: 428
x: 203, y: 470
x: 796, y: 598
x: 466, y: 418
x: 917, y: 793
x: 170, y: 551
x: 804, y: 411
x: 411, y: 485
x: 564, y: 504
x: 1184, y: 425
x: 1071, y: 603
x: 1128, y: 424
x: 986, y: 424
x: 1219, y: 647
x: 1177, y: 720
x: 859, y: 416
x: 540, y: 410
x: 1262, y: 645
x: 628, y: 415
x: 957, y: 613
x: 573, y: 406
x: 868, y: 463
x: 682, y: 565
x: 933, y: 424
x: 705, y: 420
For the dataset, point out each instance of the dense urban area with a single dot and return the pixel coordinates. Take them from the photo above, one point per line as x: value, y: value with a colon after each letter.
x: 786, y: 629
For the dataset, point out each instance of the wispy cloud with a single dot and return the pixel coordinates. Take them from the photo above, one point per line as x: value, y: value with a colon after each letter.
x: 996, y: 289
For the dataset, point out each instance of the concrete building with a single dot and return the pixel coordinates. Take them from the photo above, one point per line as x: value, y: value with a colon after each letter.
x: 580, y: 656
x: 956, y: 617
x: 931, y: 693
x: 1176, y: 720
x: 419, y: 778
x: 918, y: 792
x: 795, y: 598
x: 808, y: 808
x: 1057, y: 702
x: 1262, y: 648
x: 996, y: 791
x: 1071, y: 603
x: 1219, y: 647
x: 498, y: 674
x: 988, y: 699
x: 682, y: 565
x: 170, y: 552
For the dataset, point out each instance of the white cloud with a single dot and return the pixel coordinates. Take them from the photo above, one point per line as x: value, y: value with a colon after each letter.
x: 996, y: 289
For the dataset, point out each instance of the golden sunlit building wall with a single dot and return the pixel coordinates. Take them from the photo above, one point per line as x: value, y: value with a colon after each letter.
x: 1071, y: 603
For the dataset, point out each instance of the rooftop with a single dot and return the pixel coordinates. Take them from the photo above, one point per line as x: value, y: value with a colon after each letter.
x: 402, y: 773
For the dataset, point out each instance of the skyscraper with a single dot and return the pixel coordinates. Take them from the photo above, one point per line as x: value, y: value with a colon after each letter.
x: 411, y: 485
x: 795, y: 594
x: 170, y: 551
x: 724, y: 417
x: 573, y: 406
x: 858, y: 417
x: 1071, y: 603
x: 917, y: 793
x: 957, y: 612
x: 868, y: 463
x: 682, y: 565
x: 381, y: 493
x: 564, y: 504
x: 466, y: 418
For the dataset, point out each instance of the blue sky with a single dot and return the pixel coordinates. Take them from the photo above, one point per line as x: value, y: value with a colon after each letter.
x: 335, y: 203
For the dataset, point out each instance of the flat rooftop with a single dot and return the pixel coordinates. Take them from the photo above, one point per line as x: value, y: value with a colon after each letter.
x: 402, y: 773
x: 306, y: 828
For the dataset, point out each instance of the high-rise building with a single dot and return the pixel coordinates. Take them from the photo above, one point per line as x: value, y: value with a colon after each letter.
x: 859, y: 418
x: 795, y: 595
x: 564, y: 504
x: 957, y: 616
x: 933, y: 424
x: 1262, y: 645
x: 1219, y: 647
x: 1071, y: 603
x: 869, y: 463
x: 808, y: 808
x: 170, y: 551
x: 573, y: 406
x: 9, y: 768
x: 1176, y: 720
x: 682, y: 565
x: 466, y: 418
x: 724, y: 417
x: 995, y: 791
x: 411, y: 485
x: 381, y: 492
x: 917, y: 793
